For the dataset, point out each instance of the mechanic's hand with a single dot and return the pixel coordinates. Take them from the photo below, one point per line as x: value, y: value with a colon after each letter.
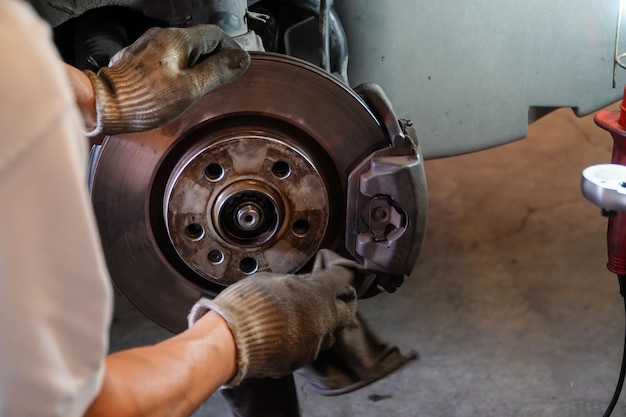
x: 281, y: 322
x: 159, y: 76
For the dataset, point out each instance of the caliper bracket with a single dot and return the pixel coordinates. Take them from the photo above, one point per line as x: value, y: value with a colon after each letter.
x: 387, y: 199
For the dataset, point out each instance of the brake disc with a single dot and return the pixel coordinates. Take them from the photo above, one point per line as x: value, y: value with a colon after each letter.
x: 254, y: 177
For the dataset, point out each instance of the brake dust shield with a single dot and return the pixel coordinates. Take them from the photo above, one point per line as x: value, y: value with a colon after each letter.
x: 252, y: 178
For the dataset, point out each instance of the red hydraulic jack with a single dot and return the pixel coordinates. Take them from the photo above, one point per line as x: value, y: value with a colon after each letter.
x: 605, y: 185
x: 615, y: 123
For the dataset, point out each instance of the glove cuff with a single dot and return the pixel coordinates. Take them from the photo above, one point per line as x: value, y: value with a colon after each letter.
x: 259, y: 332
x: 200, y: 308
x: 114, y: 87
x: 96, y: 84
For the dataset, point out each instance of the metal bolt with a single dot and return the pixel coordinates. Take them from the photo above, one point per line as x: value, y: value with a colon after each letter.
x: 249, y: 217
x: 379, y: 214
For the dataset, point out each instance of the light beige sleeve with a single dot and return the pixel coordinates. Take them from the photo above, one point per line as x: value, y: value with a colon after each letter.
x: 55, y: 296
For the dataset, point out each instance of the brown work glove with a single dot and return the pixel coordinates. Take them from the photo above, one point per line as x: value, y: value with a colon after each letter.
x: 159, y: 76
x: 357, y: 359
x: 281, y: 322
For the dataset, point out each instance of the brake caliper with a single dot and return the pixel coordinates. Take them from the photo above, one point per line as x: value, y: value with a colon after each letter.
x: 387, y: 199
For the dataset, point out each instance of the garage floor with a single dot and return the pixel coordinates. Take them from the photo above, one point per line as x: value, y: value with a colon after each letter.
x: 510, y: 305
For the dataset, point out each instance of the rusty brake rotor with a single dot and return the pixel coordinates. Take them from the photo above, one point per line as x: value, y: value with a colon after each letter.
x: 253, y: 177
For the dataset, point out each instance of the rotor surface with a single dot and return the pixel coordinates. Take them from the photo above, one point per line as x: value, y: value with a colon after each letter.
x: 253, y: 177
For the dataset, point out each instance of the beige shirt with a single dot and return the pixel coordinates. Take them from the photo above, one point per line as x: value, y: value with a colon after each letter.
x: 55, y: 295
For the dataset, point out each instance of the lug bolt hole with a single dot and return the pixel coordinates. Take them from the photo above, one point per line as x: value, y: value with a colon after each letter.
x: 194, y: 231
x: 214, y: 172
x: 281, y: 169
x: 301, y: 227
x: 248, y: 265
x: 215, y: 257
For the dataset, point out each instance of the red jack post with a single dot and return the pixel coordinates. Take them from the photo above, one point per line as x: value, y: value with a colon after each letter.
x: 614, y: 121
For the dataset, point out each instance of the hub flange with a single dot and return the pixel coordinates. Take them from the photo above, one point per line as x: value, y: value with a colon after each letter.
x: 245, y: 203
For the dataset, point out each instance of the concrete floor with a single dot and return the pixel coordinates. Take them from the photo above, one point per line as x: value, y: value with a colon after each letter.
x: 510, y: 305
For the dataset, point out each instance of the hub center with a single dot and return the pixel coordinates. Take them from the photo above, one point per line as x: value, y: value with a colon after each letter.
x: 247, y: 213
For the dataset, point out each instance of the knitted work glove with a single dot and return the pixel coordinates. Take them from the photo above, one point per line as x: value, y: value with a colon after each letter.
x: 159, y: 76
x: 357, y: 359
x: 281, y: 322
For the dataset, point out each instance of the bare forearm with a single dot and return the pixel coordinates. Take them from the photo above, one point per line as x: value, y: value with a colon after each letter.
x: 171, y: 378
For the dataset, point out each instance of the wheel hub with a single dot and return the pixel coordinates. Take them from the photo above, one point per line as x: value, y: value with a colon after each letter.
x: 233, y: 206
